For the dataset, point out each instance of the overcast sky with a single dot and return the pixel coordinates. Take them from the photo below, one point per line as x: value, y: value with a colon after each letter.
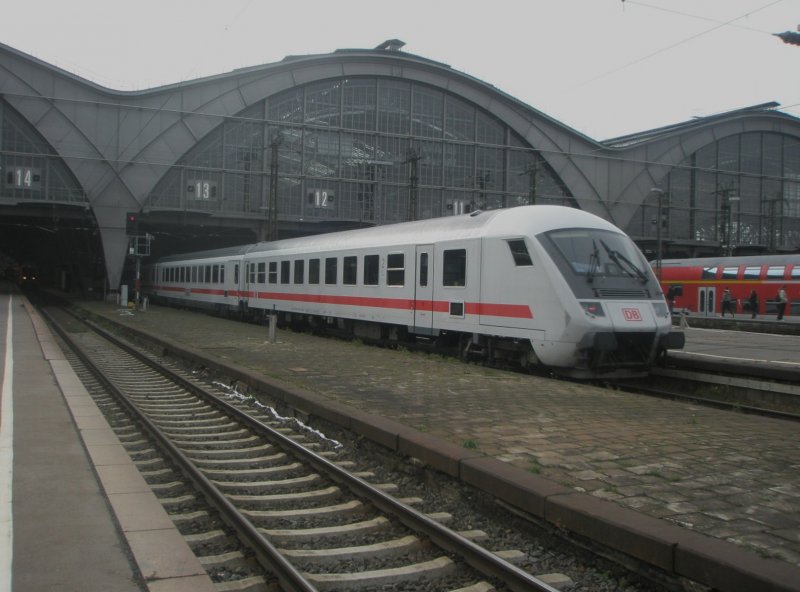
x: 603, y: 67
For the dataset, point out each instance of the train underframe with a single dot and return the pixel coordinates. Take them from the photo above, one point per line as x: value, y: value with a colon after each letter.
x: 598, y: 355
x: 488, y: 349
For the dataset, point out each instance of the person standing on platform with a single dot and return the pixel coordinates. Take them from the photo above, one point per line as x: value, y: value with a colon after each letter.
x: 727, y: 301
x: 783, y: 300
x: 753, y: 300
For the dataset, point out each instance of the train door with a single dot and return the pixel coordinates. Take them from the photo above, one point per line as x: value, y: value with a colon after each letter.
x: 423, y: 289
x: 245, y: 276
x: 706, y: 300
x: 232, y: 273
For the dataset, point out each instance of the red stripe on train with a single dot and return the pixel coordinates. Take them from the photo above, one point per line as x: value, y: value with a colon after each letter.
x: 517, y: 311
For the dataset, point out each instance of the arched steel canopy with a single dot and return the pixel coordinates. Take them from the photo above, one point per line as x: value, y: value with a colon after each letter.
x: 119, y: 144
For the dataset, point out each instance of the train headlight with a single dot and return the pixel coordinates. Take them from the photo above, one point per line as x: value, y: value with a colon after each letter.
x: 593, y: 308
x: 660, y: 309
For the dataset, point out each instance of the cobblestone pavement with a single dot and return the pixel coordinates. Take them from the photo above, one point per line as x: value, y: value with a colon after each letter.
x: 728, y: 475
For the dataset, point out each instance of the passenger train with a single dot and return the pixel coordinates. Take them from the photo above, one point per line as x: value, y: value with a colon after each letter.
x: 697, y: 285
x: 534, y: 285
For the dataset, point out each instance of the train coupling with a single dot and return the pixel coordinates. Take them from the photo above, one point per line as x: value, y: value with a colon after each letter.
x: 599, y: 342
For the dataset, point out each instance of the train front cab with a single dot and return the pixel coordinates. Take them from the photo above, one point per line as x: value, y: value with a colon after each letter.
x: 625, y: 323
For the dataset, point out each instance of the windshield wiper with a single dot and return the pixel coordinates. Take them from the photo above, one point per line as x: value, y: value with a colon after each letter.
x: 619, y: 259
x: 594, y: 262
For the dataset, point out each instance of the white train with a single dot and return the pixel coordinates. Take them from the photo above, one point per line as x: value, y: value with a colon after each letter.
x: 535, y: 285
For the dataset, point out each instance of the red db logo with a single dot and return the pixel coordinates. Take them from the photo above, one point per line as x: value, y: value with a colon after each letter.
x: 632, y: 314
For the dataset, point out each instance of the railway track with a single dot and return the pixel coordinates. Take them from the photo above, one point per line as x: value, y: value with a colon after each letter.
x: 306, y: 516
x: 724, y: 385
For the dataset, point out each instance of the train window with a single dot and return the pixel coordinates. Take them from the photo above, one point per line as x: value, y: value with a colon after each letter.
x: 286, y: 270
x: 299, y: 271
x: 709, y: 273
x: 222, y: 274
x: 423, y: 269
x: 371, y: 270
x: 215, y: 274
x: 752, y: 273
x: 350, y: 270
x: 236, y: 274
x: 273, y: 272
x: 597, y: 253
x: 194, y: 274
x: 795, y: 272
x: 776, y: 271
x: 519, y: 251
x: 313, y: 271
x: 262, y: 273
x: 395, y: 269
x: 730, y: 273
x: 455, y: 268
x: 251, y: 273
x: 208, y: 274
x: 331, y: 266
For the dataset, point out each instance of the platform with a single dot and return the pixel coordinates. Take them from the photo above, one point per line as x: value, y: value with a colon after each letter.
x: 75, y: 513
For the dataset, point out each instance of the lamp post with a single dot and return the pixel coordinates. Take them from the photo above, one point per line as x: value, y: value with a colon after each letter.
x: 272, y: 203
x: 660, y: 193
x: 731, y: 199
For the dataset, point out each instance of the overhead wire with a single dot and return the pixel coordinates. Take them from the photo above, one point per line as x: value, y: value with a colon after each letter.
x: 674, y: 45
x: 704, y: 18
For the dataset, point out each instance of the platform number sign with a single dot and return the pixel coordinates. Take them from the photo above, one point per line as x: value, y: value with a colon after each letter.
x: 24, y: 178
x: 320, y: 198
x: 202, y: 190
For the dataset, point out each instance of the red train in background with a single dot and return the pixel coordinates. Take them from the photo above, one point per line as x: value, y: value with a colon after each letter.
x: 697, y: 285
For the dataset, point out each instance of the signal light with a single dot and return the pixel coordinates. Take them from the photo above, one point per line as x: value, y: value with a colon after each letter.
x: 132, y: 223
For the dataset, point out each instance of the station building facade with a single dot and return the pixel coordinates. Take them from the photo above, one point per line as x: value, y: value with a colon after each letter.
x: 358, y: 138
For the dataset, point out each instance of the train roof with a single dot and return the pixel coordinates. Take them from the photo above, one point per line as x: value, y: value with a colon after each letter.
x: 751, y: 260
x: 518, y: 221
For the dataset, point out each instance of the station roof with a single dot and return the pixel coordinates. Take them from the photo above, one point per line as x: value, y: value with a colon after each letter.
x: 649, y: 135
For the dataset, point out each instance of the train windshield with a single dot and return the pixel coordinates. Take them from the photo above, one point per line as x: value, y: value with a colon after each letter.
x: 599, y: 253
